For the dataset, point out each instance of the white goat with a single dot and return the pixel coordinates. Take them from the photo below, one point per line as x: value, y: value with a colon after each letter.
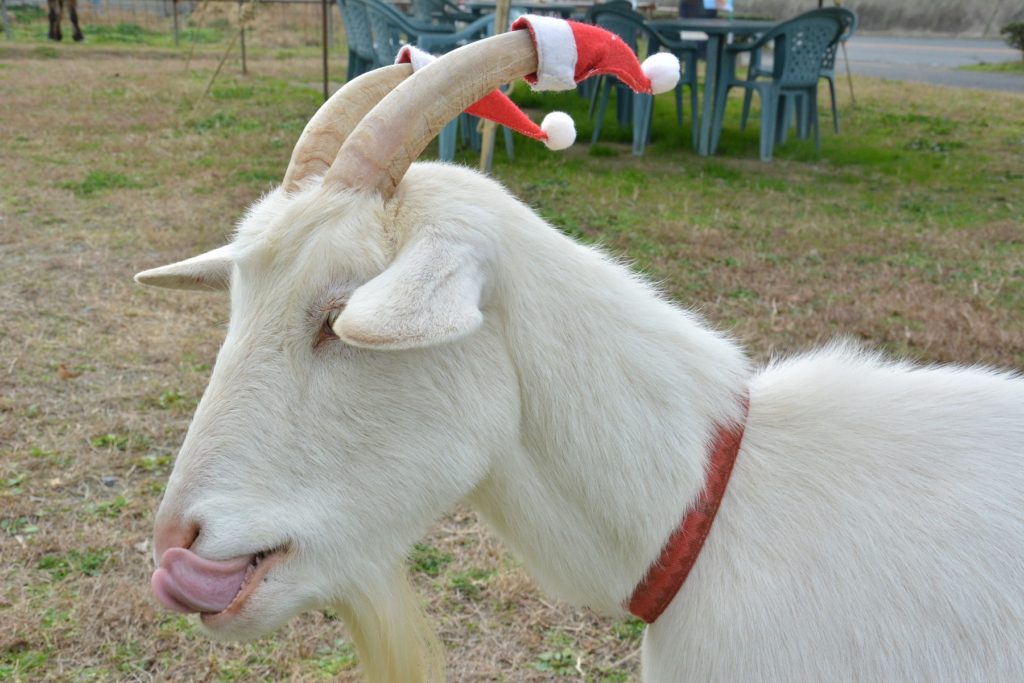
x: 400, y: 341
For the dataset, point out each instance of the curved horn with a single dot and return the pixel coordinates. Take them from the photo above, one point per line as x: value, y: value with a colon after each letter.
x: 380, y: 150
x: 337, y: 117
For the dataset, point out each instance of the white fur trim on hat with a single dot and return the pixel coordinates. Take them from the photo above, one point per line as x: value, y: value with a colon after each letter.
x: 556, y: 52
x: 662, y: 70
x: 410, y: 54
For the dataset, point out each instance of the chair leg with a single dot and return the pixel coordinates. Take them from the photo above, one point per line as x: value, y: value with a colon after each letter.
x: 595, y: 91
x: 679, y: 104
x: 791, y: 115
x: 813, y: 116
x: 835, y: 109
x: 694, y: 117
x: 510, y: 148
x: 605, y: 89
x: 747, y: 96
x: 718, y: 111
x: 770, y: 104
x: 643, y: 109
x: 624, y: 105
x: 446, y: 140
x: 803, y: 113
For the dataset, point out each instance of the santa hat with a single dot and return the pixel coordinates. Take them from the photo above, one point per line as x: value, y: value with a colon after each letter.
x: 556, y: 131
x: 568, y: 52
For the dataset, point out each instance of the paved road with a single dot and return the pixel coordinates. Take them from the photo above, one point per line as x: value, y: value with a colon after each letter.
x: 934, y: 61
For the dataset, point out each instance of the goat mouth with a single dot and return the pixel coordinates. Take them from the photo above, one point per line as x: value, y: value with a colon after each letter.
x: 259, y: 566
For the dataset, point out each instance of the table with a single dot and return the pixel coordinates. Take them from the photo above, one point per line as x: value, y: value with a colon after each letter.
x: 718, y: 31
x: 565, y: 10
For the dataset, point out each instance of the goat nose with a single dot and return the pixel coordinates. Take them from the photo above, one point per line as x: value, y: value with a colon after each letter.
x: 172, y: 532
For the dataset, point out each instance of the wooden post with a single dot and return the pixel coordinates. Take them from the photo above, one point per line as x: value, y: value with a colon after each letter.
x: 241, y: 34
x: 323, y: 37
x: 501, y: 13
x: 174, y: 8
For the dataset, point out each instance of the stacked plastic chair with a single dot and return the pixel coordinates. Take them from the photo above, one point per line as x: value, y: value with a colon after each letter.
x: 619, y: 18
x: 800, y: 47
x: 828, y: 70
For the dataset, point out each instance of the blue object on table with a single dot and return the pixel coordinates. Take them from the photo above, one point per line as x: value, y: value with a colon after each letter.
x: 828, y: 70
x: 630, y: 26
x: 720, y: 5
x: 800, y: 45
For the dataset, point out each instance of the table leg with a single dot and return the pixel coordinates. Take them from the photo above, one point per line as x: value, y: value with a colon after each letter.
x: 714, y: 49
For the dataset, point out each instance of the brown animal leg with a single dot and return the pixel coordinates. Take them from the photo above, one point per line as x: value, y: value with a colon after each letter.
x: 55, y: 11
x: 73, y: 12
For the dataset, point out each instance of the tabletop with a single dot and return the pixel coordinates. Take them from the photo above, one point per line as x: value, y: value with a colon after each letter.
x: 715, y: 26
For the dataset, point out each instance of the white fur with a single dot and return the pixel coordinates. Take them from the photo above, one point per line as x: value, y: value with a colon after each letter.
x: 662, y: 70
x: 556, y: 52
x: 873, y: 528
x: 561, y: 130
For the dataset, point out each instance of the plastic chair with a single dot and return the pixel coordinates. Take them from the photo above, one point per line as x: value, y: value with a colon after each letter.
x: 630, y: 107
x: 361, y: 56
x: 800, y: 46
x: 391, y: 30
x: 828, y: 65
x: 440, y: 12
x: 828, y: 69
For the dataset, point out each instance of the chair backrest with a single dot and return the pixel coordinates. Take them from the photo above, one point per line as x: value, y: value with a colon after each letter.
x: 849, y: 21
x: 800, y: 46
x: 424, y: 11
x: 357, y: 29
x: 621, y: 19
x: 387, y: 26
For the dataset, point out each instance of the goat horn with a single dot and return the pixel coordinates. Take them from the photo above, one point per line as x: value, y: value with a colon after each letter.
x: 325, y: 133
x: 387, y: 140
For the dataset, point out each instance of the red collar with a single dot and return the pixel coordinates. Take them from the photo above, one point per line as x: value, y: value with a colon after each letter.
x: 667, y: 574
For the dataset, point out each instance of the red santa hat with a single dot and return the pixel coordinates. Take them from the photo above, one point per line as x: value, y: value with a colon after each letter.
x: 556, y: 131
x: 568, y: 52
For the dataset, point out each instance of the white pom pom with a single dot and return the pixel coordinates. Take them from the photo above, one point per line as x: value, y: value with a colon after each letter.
x: 662, y: 69
x: 560, y: 128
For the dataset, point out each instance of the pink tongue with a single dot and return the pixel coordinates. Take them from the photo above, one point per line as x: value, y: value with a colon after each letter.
x: 185, y: 582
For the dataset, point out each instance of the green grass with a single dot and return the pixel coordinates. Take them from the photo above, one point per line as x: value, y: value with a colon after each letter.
x: 96, y: 182
x: 999, y: 67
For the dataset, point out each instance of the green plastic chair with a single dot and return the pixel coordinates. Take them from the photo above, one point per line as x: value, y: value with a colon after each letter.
x: 800, y: 46
x: 391, y: 30
x: 440, y: 12
x: 361, y: 56
x: 828, y: 68
x: 631, y: 107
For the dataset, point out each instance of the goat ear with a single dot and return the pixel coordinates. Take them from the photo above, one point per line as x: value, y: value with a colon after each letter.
x: 210, y: 271
x: 429, y: 295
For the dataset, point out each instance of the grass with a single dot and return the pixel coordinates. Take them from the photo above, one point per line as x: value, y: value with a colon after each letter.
x: 906, y: 233
x: 998, y: 67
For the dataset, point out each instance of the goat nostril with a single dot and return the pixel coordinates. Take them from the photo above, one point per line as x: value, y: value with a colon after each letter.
x: 171, y: 533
